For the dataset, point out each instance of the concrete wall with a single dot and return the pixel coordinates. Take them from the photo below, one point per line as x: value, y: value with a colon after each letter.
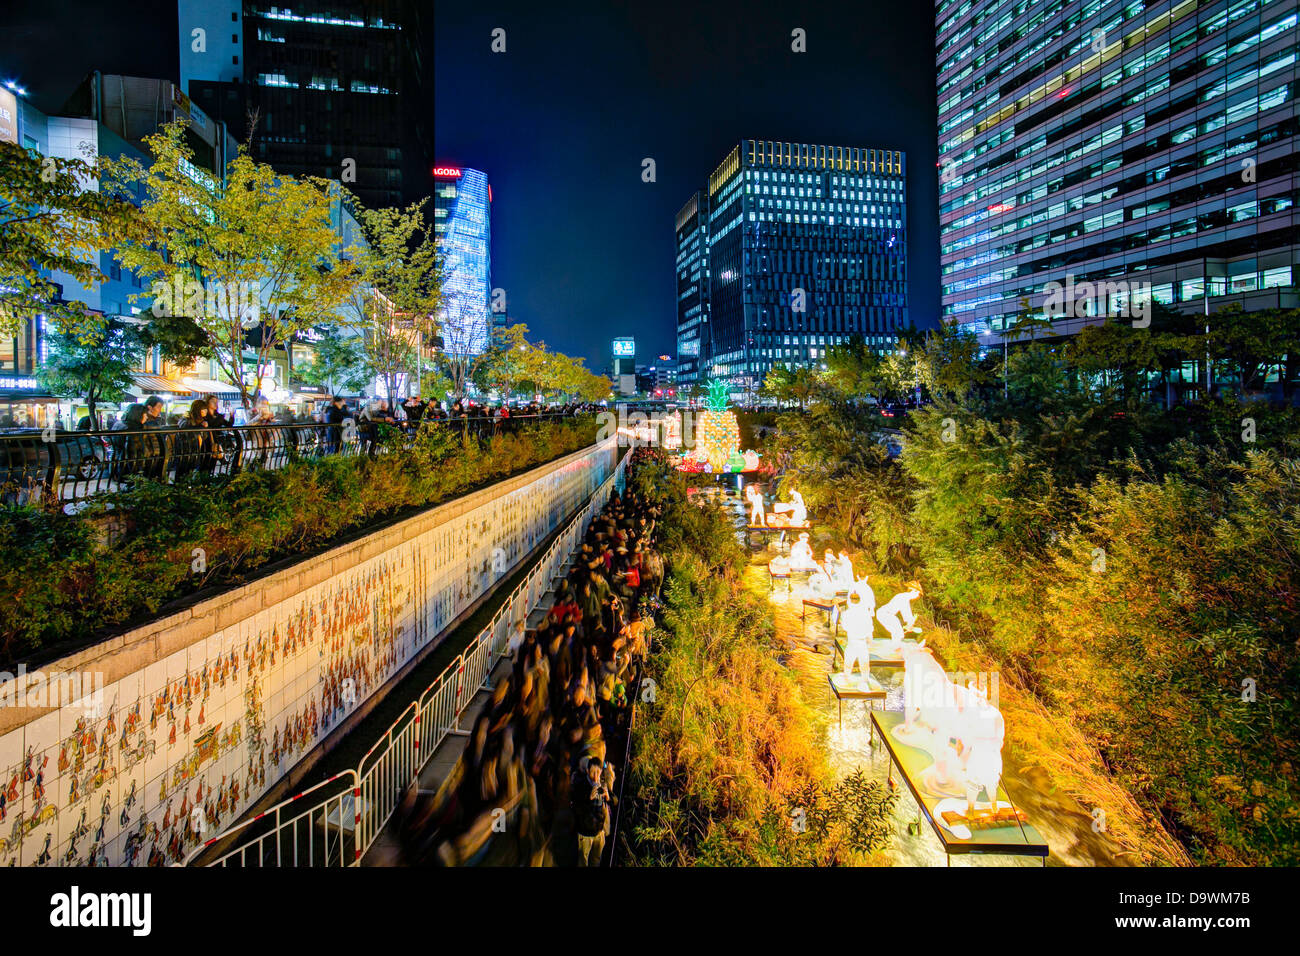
x: 178, y: 726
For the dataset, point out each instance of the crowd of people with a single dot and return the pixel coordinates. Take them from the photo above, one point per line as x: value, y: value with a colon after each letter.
x: 146, y: 441
x: 535, y: 783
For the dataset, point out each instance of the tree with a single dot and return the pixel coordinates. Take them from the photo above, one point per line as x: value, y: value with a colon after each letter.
x: 258, y: 251
x: 52, y: 220
x: 1253, y: 342
x: 1133, y: 354
x: 949, y: 363
x: 787, y: 384
x: 1027, y: 322
x: 340, y: 361
x: 178, y: 337
x: 508, y: 361
x: 397, y: 292
x: 92, y: 363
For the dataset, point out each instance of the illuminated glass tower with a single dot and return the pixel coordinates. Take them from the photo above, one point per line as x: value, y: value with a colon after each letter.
x: 693, y: 285
x: 1106, y: 140
x: 791, y: 249
x: 463, y: 228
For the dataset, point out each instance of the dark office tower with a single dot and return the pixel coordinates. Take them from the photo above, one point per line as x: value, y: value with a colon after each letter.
x: 337, y: 87
x: 1115, y: 143
x: 803, y: 246
x: 692, y: 286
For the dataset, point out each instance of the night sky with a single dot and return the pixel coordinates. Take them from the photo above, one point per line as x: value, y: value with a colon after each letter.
x: 563, y: 119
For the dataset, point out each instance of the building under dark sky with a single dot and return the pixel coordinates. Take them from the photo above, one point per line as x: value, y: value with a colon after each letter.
x: 1125, y: 144
x: 563, y: 120
x: 790, y: 250
x: 338, y: 87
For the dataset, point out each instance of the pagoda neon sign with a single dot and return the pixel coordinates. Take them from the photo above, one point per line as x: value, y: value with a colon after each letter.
x: 450, y: 172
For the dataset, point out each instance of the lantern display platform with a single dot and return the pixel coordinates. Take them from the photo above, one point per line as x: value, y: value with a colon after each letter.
x: 1007, y: 835
x: 856, y: 687
x: 883, y: 653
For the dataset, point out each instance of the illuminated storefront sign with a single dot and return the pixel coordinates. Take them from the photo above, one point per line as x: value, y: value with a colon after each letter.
x: 8, y: 117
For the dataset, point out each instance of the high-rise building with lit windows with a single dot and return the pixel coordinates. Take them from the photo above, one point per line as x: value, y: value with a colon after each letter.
x: 337, y: 87
x: 1115, y: 141
x: 790, y: 249
x: 462, y: 225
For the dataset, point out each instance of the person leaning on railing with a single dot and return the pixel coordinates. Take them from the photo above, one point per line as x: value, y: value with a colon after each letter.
x: 128, y: 443
x: 194, y: 444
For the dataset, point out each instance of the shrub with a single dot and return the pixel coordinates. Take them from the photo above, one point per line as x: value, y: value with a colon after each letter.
x: 127, y: 554
x: 728, y: 768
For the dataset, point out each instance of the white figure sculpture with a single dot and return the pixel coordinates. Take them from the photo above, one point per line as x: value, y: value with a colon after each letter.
x: 798, y: 513
x: 928, y: 699
x: 821, y: 581
x: 937, y: 712
x: 794, y: 510
x: 843, y: 573
x: 673, y: 431
x: 897, y: 617
x: 801, y: 554
x: 856, y: 620
x: 980, y: 733
x: 755, y: 499
x: 864, y: 591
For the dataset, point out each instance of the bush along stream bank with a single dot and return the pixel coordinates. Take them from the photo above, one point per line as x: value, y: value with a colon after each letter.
x: 727, y: 766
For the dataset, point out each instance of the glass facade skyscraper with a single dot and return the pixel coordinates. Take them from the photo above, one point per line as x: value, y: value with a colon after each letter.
x: 462, y: 223
x: 1136, y: 141
x: 791, y: 249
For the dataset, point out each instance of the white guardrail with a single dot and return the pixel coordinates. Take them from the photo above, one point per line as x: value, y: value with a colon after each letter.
x: 341, y: 826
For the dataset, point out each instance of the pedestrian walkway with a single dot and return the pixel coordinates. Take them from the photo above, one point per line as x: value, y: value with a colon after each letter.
x: 386, y: 850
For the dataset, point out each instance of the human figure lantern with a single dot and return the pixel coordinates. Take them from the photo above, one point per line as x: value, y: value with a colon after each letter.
x: 673, y: 431
x: 755, y: 499
x: 856, y: 621
x: 801, y: 555
x: 957, y: 726
x: 897, y: 617
x: 842, y: 574
x: 789, y: 514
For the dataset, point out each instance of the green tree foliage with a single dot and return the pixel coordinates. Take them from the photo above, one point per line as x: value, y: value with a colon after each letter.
x: 397, y: 292
x: 94, y: 364
x: 340, y: 361
x: 1135, y: 570
x: 53, y: 220
x: 257, y: 253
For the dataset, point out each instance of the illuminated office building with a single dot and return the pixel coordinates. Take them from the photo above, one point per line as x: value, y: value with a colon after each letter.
x: 1118, y: 142
x: 790, y: 249
x: 462, y: 222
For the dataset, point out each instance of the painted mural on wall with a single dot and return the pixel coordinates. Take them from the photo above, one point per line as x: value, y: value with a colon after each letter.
x: 178, y: 750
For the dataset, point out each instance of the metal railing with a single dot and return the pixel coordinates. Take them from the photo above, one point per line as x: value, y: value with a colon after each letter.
x: 368, y: 796
x: 54, y: 468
